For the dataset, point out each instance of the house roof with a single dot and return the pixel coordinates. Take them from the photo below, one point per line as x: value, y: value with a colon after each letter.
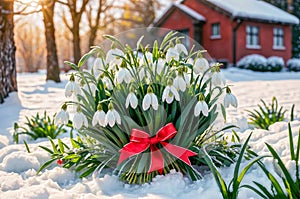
x: 190, y: 12
x: 255, y: 9
x: 183, y: 8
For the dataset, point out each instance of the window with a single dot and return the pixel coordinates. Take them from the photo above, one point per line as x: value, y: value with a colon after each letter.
x: 278, y: 38
x: 186, y: 39
x: 215, y: 31
x: 252, y: 37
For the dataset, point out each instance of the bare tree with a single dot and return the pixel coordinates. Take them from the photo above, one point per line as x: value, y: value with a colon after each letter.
x: 76, y: 11
x: 47, y: 9
x: 52, y: 59
x: 8, y: 81
x: 99, y: 14
x: 30, y: 47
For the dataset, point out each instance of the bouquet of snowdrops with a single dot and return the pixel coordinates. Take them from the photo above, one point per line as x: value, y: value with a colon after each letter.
x: 149, y: 109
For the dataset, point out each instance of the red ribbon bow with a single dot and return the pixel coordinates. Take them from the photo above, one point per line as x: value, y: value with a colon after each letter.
x: 141, y: 141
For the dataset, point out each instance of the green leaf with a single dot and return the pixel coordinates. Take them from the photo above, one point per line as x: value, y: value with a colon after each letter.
x: 217, y: 176
x: 46, y: 149
x: 72, y: 65
x: 27, y: 147
x: 291, y: 142
x: 46, y: 164
x: 85, y: 57
x: 61, y: 146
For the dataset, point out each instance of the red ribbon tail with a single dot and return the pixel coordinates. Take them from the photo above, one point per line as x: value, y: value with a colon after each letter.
x: 179, y: 152
x: 157, y: 160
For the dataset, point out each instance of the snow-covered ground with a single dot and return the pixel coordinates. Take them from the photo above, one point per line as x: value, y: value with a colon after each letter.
x: 18, y: 168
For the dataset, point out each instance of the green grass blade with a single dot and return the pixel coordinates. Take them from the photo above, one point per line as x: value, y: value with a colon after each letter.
x: 292, y: 150
x: 46, y: 164
x: 218, y: 178
x: 27, y: 147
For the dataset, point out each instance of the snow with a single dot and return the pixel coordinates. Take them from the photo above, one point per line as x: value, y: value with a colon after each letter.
x: 294, y: 64
x: 275, y: 61
x: 190, y: 12
x: 255, y: 9
x: 18, y: 168
x: 253, y: 59
x: 181, y: 7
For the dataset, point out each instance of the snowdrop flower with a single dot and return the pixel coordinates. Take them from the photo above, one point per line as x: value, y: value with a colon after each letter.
x: 201, y: 65
x: 179, y: 82
x: 181, y: 49
x: 79, y: 119
x: 98, y: 67
x: 62, y: 117
x: 172, y: 54
x: 113, y: 57
x: 72, y: 87
x: 201, y: 106
x: 150, y: 99
x: 169, y: 93
x: 143, y: 73
x: 217, y: 77
x: 230, y: 99
x: 112, y: 116
x: 107, y: 82
x: 147, y: 59
x: 90, y: 86
x: 99, y: 117
x: 123, y: 75
x: 160, y: 66
x: 131, y: 99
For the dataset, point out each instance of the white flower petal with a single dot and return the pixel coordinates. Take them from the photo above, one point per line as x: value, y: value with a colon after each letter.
x: 95, y: 118
x: 85, y: 121
x: 117, y: 116
x: 182, y: 84
x: 165, y: 93
x: 101, y: 118
x: 110, y: 118
x: 77, y: 120
x: 172, y: 53
x: 170, y: 98
x: 133, y: 101
x: 227, y: 100
x: 175, y: 93
x: 154, y: 101
x: 146, y: 102
x: 201, y: 65
x: 198, y: 109
x: 68, y: 89
x: 181, y: 48
x: 204, y: 108
x: 160, y: 66
x: 234, y: 102
x: 128, y: 100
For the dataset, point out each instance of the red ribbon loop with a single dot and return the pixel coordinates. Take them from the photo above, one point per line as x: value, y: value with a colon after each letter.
x: 141, y: 141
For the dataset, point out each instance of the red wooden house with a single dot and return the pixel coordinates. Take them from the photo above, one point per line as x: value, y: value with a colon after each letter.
x: 231, y: 29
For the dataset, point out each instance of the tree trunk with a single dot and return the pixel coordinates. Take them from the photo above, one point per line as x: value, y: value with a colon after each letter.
x: 93, y: 35
x: 52, y: 59
x: 76, y: 41
x: 8, y: 82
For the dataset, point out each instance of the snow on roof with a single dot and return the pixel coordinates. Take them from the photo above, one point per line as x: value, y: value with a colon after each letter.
x: 181, y: 7
x: 190, y: 12
x: 255, y: 9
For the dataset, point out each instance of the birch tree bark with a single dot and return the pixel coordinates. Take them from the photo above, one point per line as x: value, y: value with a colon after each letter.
x: 8, y: 82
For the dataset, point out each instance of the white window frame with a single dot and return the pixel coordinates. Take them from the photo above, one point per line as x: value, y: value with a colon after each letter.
x: 252, y: 37
x: 215, y: 31
x: 278, y: 38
